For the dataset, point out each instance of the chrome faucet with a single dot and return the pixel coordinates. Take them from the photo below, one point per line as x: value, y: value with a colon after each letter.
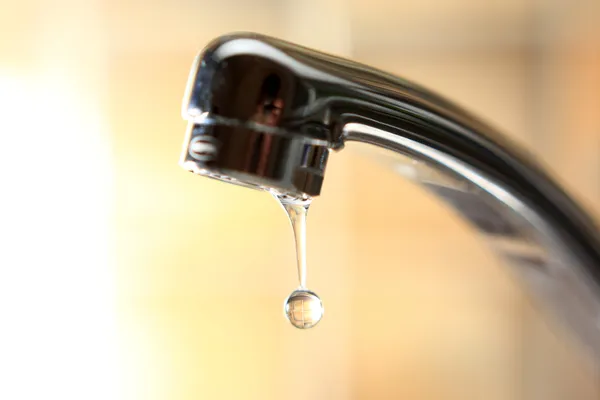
x: 265, y: 113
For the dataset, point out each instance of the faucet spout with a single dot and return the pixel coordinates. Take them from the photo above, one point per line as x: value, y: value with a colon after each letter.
x: 265, y: 113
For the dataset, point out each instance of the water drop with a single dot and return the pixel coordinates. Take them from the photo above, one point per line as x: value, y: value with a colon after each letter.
x: 303, y: 309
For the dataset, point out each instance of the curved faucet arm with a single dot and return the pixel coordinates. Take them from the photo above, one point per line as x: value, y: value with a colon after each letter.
x: 251, y: 86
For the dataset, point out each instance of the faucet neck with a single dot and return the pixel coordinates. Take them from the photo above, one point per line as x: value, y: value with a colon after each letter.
x: 271, y: 110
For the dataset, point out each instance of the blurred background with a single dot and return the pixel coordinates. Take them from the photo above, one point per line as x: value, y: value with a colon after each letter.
x: 125, y: 277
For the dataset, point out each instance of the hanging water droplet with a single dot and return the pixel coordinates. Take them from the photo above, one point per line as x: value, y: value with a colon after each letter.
x: 303, y: 309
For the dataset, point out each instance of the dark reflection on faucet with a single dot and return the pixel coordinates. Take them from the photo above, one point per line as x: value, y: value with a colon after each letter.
x: 268, y: 112
x: 270, y: 105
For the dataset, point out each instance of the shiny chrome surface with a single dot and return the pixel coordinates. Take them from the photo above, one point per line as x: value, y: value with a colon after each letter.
x: 264, y: 113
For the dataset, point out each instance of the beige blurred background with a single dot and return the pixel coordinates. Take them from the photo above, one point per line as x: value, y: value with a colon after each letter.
x: 125, y: 277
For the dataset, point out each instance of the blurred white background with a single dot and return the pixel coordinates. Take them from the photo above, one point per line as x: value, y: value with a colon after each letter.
x: 123, y: 276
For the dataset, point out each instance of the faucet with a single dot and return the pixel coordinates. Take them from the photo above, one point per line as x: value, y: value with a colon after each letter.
x: 265, y: 114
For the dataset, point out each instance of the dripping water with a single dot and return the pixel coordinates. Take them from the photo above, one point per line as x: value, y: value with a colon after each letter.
x: 303, y: 308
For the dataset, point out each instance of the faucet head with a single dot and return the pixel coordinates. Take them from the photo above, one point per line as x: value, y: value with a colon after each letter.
x: 247, y: 122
